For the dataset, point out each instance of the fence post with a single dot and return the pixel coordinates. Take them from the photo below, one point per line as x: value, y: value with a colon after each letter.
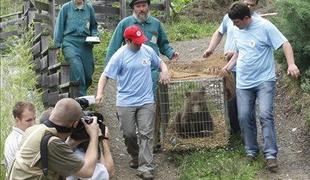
x: 167, y: 8
x: 123, y: 8
x: 52, y: 15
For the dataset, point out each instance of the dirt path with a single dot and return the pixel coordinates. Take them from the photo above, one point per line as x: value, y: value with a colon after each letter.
x: 293, y: 137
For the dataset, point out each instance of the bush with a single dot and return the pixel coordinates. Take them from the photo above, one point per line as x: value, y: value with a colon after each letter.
x: 18, y: 82
x: 293, y: 20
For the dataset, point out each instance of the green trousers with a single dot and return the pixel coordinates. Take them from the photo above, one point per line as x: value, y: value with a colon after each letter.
x: 80, y: 57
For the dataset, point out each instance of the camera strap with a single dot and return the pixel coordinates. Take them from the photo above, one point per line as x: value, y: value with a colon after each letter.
x: 60, y: 129
x: 44, y: 152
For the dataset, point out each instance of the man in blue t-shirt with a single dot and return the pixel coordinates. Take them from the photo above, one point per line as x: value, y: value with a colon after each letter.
x: 255, y: 40
x: 227, y: 27
x: 131, y: 67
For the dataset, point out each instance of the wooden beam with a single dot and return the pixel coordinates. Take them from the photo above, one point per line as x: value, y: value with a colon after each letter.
x: 123, y: 8
x: 11, y: 22
x: 106, y: 10
x: 42, y: 6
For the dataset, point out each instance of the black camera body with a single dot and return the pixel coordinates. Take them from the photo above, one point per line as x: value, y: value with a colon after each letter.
x: 79, y: 132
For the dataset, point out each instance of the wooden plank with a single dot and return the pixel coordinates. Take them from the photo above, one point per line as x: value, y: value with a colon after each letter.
x: 43, y: 79
x: 5, y: 35
x: 52, y: 97
x: 12, y: 22
x: 106, y: 10
x: 61, y: 1
x: 37, y: 38
x: 52, y: 13
x: 123, y: 8
x: 17, y: 14
x: 160, y: 7
x: 44, y: 96
x: 37, y: 64
x: 54, y: 68
x: 44, y: 44
x: 37, y: 28
x: 67, y: 85
x: 41, y: 5
x: 45, y: 18
x: 36, y: 49
x: 43, y: 63
x: 54, y: 79
x: 64, y: 74
x: 167, y: 4
x: 64, y: 95
x: 52, y: 57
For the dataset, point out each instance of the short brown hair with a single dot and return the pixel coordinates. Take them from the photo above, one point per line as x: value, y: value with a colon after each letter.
x: 20, y: 106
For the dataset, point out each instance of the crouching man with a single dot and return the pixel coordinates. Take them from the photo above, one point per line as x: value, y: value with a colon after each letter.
x: 61, y: 159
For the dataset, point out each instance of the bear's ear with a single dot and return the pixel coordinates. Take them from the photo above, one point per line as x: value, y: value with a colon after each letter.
x: 187, y: 94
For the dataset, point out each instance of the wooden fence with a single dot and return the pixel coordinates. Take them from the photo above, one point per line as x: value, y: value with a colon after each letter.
x: 53, y: 76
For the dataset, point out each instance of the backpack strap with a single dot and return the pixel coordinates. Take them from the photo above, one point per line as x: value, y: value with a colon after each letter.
x: 44, y: 152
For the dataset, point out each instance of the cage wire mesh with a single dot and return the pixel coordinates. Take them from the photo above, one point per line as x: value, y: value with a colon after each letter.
x: 193, y: 114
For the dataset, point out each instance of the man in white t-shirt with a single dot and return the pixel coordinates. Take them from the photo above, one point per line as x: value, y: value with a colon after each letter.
x: 24, y: 114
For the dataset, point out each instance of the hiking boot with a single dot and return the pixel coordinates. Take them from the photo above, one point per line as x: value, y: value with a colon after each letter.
x: 250, y: 158
x: 272, y: 165
x: 134, y: 163
x: 147, y: 175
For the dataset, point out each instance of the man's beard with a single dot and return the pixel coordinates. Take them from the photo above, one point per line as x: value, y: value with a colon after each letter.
x: 141, y: 16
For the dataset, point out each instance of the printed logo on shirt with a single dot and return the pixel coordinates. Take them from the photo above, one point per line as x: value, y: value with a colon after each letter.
x: 145, y: 62
x: 247, y: 43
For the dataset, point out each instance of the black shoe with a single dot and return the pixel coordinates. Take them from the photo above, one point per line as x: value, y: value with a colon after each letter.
x: 271, y: 165
x: 147, y: 175
x: 250, y: 158
x: 134, y: 163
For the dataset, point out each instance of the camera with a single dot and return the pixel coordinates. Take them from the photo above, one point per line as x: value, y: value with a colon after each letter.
x: 79, y: 132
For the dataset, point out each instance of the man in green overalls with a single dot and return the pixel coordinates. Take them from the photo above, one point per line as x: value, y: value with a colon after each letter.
x: 76, y: 20
x: 152, y: 29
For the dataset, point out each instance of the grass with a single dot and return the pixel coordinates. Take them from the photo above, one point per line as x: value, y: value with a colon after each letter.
x: 186, y: 29
x: 220, y: 164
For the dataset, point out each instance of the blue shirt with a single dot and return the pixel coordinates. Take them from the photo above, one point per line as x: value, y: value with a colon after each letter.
x: 227, y: 26
x: 255, y: 44
x: 132, y: 70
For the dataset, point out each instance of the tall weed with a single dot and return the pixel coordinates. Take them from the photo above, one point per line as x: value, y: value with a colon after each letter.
x: 18, y: 82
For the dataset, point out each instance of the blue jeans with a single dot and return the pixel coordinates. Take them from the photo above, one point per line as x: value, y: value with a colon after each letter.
x: 246, y: 98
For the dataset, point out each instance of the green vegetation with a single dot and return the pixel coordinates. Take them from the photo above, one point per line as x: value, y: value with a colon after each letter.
x: 218, y: 164
x: 186, y: 29
x: 293, y: 15
x: 293, y: 18
x: 18, y: 82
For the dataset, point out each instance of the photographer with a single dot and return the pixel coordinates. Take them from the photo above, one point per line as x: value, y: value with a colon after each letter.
x: 105, y: 167
x: 62, y: 161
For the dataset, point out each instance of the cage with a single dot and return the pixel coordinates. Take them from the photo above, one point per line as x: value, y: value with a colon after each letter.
x: 193, y: 114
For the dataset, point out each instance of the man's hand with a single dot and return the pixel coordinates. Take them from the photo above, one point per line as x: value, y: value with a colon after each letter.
x: 229, y: 55
x: 164, y: 77
x: 93, y: 128
x: 207, y: 53
x: 175, y: 56
x: 293, y: 71
x: 99, y: 98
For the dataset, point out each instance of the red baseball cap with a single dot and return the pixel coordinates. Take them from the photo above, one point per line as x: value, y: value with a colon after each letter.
x: 135, y: 34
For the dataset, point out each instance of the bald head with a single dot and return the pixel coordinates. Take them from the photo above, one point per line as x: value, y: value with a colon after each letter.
x: 66, y: 112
